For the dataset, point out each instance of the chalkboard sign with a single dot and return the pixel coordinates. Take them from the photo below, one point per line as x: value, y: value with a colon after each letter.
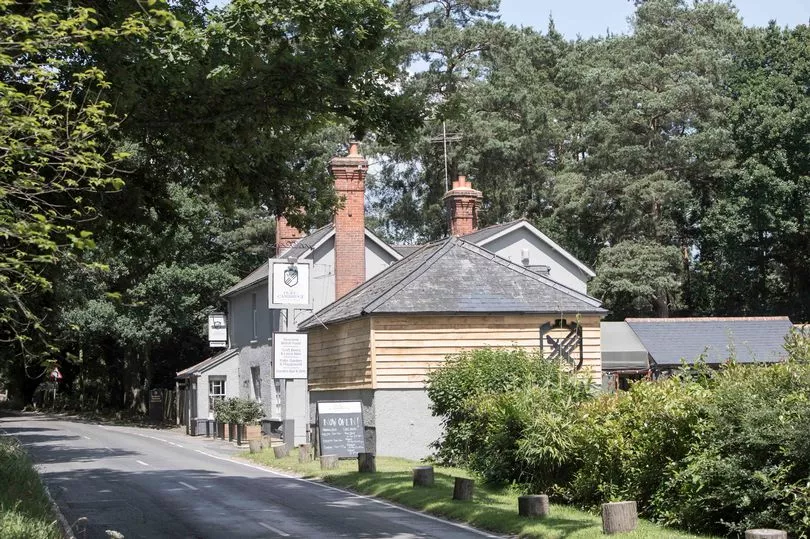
x: 340, y: 426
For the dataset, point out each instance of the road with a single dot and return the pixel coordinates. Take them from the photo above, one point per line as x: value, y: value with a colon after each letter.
x: 152, y: 483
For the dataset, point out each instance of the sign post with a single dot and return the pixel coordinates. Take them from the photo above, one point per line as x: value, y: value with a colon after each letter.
x: 217, y: 330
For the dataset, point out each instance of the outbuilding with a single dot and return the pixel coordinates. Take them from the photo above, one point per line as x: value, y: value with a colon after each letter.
x: 377, y: 344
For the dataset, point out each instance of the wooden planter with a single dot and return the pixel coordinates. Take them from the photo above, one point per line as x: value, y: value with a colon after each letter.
x: 252, y: 432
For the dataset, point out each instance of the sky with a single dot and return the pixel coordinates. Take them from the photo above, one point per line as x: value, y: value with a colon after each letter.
x: 594, y: 17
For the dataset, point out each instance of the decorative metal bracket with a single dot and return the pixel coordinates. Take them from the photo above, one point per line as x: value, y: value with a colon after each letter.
x: 564, y: 347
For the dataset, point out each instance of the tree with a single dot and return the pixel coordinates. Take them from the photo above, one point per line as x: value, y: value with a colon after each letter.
x: 754, y: 255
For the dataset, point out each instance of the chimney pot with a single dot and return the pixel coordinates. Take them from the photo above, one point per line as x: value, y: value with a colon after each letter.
x: 462, y: 204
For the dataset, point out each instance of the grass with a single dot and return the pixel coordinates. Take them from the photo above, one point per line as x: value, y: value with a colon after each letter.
x: 25, y: 511
x: 493, y: 509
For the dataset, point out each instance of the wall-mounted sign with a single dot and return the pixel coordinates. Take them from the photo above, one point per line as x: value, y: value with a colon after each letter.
x: 289, y: 355
x: 290, y: 284
x: 217, y: 330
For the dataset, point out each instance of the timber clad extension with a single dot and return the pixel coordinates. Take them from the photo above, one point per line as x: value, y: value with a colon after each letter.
x: 397, y: 352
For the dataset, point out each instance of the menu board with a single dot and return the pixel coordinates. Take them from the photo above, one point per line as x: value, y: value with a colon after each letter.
x: 340, y: 428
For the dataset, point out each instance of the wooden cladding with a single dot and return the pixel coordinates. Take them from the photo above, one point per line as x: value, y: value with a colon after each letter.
x: 397, y: 352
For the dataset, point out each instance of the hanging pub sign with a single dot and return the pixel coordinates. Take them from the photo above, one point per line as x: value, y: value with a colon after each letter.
x: 290, y: 284
x: 289, y: 355
x: 217, y: 330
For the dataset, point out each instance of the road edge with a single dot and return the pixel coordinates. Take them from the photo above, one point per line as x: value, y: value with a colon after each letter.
x: 67, y: 531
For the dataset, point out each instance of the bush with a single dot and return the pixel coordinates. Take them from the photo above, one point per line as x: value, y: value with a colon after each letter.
x: 238, y: 411
x: 25, y: 511
x: 488, y: 398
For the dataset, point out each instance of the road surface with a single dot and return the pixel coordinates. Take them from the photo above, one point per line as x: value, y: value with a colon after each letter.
x: 151, y: 483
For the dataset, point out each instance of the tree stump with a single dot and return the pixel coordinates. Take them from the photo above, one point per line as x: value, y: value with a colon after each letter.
x: 329, y: 462
x: 267, y: 441
x: 303, y: 453
x: 533, y: 505
x: 281, y: 451
x: 463, y: 489
x: 255, y: 446
x: 366, y: 463
x: 423, y: 476
x: 619, y: 517
x: 764, y: 533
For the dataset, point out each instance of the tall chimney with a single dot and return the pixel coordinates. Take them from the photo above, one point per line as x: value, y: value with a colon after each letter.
x: 350, y: 228
x: 462, y: 204
x: 286, y: 235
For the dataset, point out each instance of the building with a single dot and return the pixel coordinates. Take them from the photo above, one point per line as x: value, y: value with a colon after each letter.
x: 344, y: 254
x: 377, y: 344
x: 650, y: 347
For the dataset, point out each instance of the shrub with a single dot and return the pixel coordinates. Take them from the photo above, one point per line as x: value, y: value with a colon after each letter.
x: 487, y: 398
x: 224, y: 411
x: 238, y: 411
x: 24, y: 508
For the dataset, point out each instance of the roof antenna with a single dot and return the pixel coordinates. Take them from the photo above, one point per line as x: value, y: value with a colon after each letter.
x: 444, y: 139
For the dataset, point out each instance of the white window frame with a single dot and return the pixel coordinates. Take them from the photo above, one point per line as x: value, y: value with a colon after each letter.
x: 212, y: 396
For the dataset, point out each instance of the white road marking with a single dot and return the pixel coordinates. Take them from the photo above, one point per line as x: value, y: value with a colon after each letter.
x: 187, y: 486
x: 352, y: 494
x: 274, y: 530
x: 110, y: 450
x: 86, y: 437
x: 141, y: 462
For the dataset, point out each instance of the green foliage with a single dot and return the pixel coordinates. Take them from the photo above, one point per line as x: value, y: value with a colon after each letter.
x: 238, y: 411
x: 25, y: 512
x: 708, y: 451
x: 487, y: 398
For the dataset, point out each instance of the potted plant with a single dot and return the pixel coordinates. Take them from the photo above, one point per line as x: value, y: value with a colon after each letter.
x: 223, y: 413
x: 249, y: 412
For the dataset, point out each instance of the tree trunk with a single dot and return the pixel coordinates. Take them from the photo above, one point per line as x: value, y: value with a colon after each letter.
x: 764, y: 533
x: 619, y: 517
x: 366, y: 463
x: 329, y: 462
x: 533, y: 505
x: 463, y: 489
x: 423, y: 476
x: 303, y: 453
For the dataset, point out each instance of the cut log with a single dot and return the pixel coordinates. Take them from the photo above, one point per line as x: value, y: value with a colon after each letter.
x: 463, y: 489
x: 764, y: 533
x: 619, y: 517
x: 329, y: 462
x: 281, y: 451
x: 366, y: 463
x: 267, y: 442
x: 533, y: 505
x: 255, y: 446
x: 423, y: 476
x: 303, y: 453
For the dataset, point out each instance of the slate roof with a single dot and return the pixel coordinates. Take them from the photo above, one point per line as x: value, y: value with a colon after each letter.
x: 206, y: 364
x: 454, y: 276
x: 300, y: 247
x: 752, y: 339
x: 406, y: 250
x: 488, y: 232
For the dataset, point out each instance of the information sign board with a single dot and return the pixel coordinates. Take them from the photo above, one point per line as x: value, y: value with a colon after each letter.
x: 340, y: 428
x: 289, y: 355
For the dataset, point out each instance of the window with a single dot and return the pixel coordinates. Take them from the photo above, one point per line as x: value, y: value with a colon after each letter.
x: 255, y: 374
x: 253, y: 306
x: 216, y: 391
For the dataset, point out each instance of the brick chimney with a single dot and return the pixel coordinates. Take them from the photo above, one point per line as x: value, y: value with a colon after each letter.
x: 286, y: 235
x: 462, y: 204
x: 350, y: 229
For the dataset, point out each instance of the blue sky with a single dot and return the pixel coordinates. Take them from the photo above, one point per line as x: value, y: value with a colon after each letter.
x: 593, y: 17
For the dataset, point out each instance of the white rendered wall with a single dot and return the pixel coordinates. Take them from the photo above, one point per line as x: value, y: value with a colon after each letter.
x: 510, y: 246
x: 229, y: 369
x: 405, y: 427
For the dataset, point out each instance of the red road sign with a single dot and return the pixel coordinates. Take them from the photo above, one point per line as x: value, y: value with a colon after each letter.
x: 55, y: 374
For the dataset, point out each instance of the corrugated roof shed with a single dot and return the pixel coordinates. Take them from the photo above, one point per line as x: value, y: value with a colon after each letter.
x: 748, y: 340
x: 454, y: 276
x: 621, y: 348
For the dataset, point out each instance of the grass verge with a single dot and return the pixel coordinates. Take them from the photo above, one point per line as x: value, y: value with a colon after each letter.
x: 25, y: 511
x: 493, y: 509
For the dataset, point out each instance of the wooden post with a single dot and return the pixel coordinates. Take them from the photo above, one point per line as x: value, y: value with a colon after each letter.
x: 239, y: 434
x: 765, y: 533
x: 281, y: 451
x: 255, y: 446
x: 533, y: 505
x: 329, y: 462
x: 303, y: 453
x: 423, y: 476
x: 366, y: 463
x: 463, y: 489
x: 619, y: 517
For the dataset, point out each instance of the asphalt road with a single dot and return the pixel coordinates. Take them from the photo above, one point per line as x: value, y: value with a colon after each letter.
x: 151, y: 483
